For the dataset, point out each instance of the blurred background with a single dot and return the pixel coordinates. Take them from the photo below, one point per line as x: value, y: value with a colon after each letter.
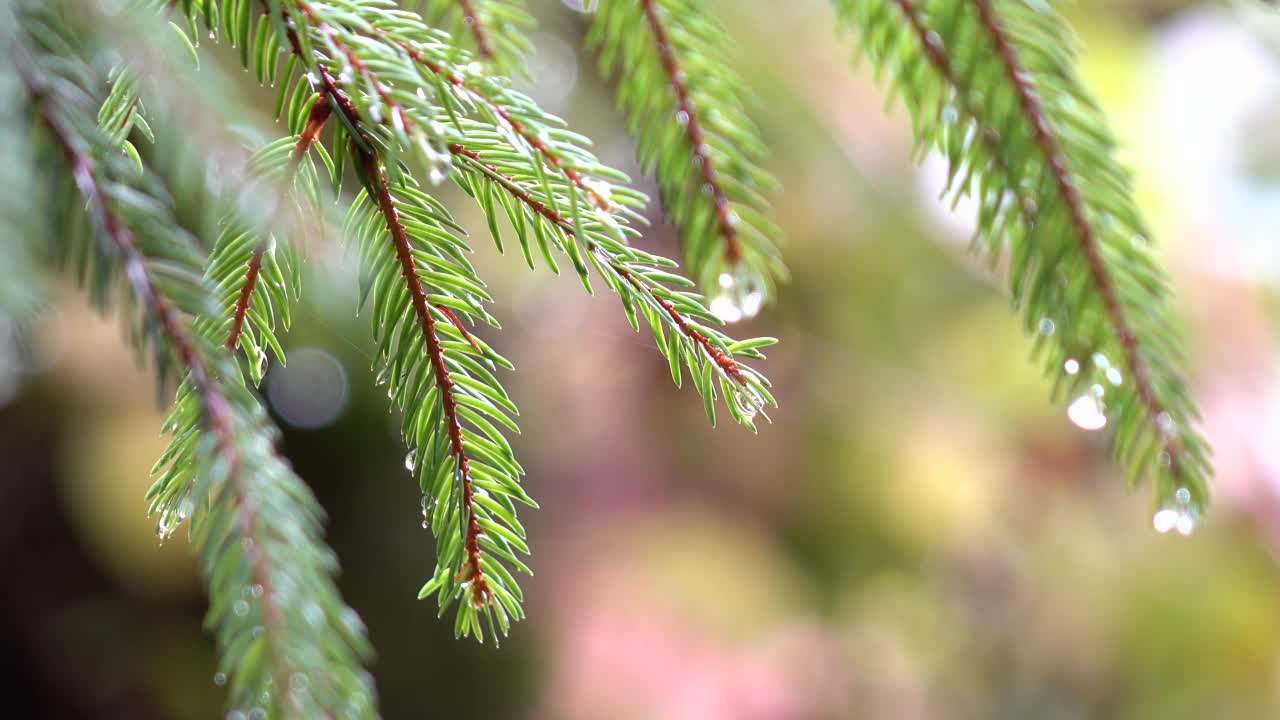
x: 920, y: 534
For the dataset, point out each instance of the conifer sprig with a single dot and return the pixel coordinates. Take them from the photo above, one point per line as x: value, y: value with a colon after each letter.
x: 684, y: 109
x: 496, y: 31
x: 640, y: 279
x: 440, y: 375
x: 989, y: 85
x: 290, y: 647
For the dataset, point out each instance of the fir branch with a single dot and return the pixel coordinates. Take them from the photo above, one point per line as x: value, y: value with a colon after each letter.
x: 264, y: 249
x: 1001, y: 101
x: 461, y: 387
x: 472, y: 572
x: 290, y: 647
x: 683, y: 106
x: 637, y: 278
x: 395, y: 87
x: 497, y: 30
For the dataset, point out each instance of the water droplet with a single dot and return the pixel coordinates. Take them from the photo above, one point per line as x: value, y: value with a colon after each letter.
x: 1047, y: 326
x: 723, y: 307
x: 1166, y: 423
x: 219, y: 679
x: 475, y: 68
x: 1164, y: 520
x: 256, y: 591
x: 240, y: 608
x: 682, y: 118
x: 1100, y: 361
x: 748, y: 401
x: 741, y: 295
x: 582, y: 6
x: 1072, y: 366
x: 411, y: 460
x: 236, y: 715
x: 298, y: 682
x: 1087, y: 413
x: 1181, y: 515
x: 435, y: 175
x: 259, y: 713
x: 1113, y: 376
x: 426, y: 524
x: 256, y: 632
x: 950, y: 115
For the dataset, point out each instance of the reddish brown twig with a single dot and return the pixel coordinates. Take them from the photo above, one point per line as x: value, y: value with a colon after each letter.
x: 688, y: 115
x: 472, y: 20
x: 722, y: 359
x: 1029, y: 99
x: 471, y: 570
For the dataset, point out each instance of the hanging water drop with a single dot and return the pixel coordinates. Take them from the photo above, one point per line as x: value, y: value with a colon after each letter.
x: 1114, y: 377
x: 1071, y: 366
x: 723, y: 305
x: 682, y: 118
x: 1166, y: 423
x: 411, y: 460
x: 1164, y: 520
x: 219, y: 679
x: 1047, y: 326
x: 740, y: 297
x: 435, y: 175
x: 748, y: 401
x: 1087, y: 412
x: 1181, y: 515
x: 240, y: 608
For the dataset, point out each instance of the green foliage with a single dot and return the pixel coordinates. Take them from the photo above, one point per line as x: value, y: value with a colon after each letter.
x: 684, y: 108
x: 441, y: 377
x: 991, y: 85
x: 494, y: 31
x: 290, y: 645
x: 368, y: 90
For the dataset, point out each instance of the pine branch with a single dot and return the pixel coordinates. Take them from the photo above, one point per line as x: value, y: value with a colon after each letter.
x: 480, y: 501
x: 290, y: 647
x: 988, y: 85
x: 472, y: 574
x: 397, y: 89
x: 684, y: 109
x: 637, y: 278
x: 495, y: 30
x: 394, y: 68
